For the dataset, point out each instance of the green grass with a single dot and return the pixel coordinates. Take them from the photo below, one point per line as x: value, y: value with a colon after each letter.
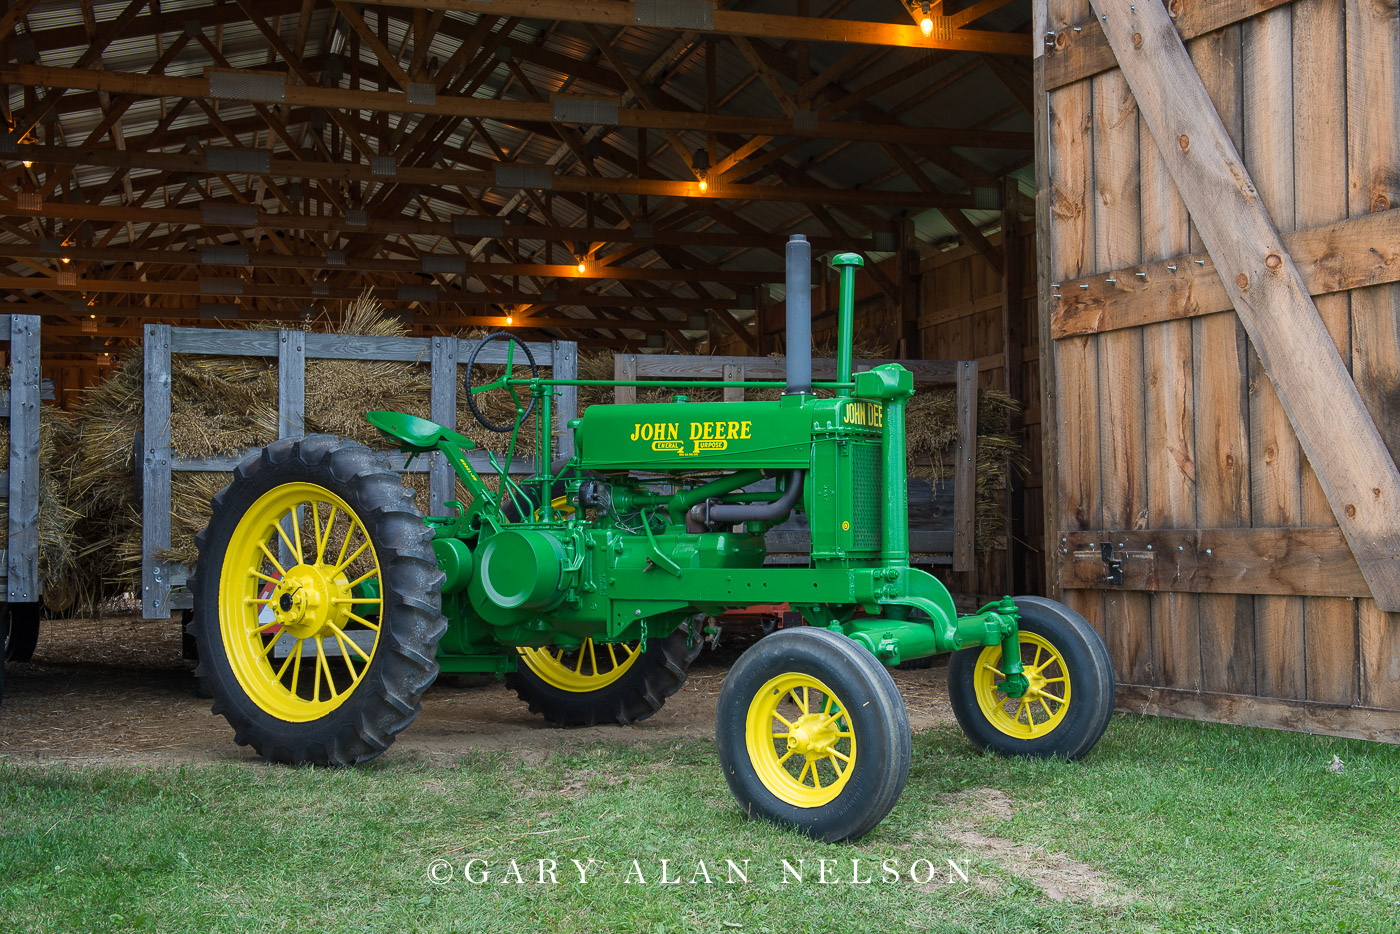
x: 1191, y: 827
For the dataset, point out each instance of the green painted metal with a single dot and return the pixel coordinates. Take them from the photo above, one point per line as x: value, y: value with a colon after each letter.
x: 617, y: 544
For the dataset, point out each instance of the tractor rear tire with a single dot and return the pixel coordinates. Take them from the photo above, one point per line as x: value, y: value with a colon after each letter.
x: 294, y: 595
x: 552, y: 688
x: 1066, y: 661
x: 22, y: 631
x: 771, y: 734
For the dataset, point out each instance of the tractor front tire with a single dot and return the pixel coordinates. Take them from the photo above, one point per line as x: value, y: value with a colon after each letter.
x: 813, y: 734
x: 316, y: 558
x: 604, y: 683
x: 1071, y: 695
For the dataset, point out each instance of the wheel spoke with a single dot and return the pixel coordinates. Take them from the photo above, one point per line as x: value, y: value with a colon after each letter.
x: 259, y: 574
x: 280, y: 570
x: 342, y: 565
x: 287, y: 540
x: 349, y: 534
x: 296, y: 668
x: 1036, y: 661
x: 593, y: 657
x: 816, y: 780
x: 786, y: 756
x: 1026, y: 706
x: 339, y: 633
x: 797, y: 701
x: 325, y: 539
x: 315, y: 530
x: 612, y: 654
x: 296, y: 534
x: 840, y: 755
x: 806, y: 764
x: 363, y: 622
x: 373, y: 572
x: 780, y: 717
x: 345, y: 653
x: 578, y: 668
x: 266, y: 650
x: 281, y: 671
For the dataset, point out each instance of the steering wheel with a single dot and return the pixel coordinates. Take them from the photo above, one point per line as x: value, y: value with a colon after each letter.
x: 502, y: 381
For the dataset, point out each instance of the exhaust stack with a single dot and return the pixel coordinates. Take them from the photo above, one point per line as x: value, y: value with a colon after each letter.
x: 799, y: 316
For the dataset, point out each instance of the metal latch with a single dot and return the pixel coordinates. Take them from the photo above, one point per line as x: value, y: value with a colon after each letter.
x: 1113, y: 565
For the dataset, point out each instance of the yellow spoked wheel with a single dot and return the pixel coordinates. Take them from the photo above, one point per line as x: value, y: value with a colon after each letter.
x: 1070, y: 696
x: 800, y: 740
x: 317, y: 607
x: 813, y: 734
x: 299, y: 601
x: 587, y: 668
x: 1044, y: 705
x: 603, y: 682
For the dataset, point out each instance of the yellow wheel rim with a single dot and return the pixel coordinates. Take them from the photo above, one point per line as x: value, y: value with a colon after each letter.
x: 586, y: 668
x: 800, y: 741
x: 300, y: 589
x: 1042, y: 708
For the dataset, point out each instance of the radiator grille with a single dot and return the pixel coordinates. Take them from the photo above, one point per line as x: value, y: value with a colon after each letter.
x: 865, y: 508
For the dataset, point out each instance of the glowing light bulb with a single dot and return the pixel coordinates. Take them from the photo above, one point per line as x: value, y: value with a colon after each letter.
x: 93, y: 317
x: 926, y: 24
x: 66, y: 261
x: 704, y: 185
x: 509, y: 319
x: 27, y: 163
x: 582, y: 267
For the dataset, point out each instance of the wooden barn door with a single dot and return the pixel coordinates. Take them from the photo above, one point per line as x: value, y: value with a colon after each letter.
x: 1218, y: 216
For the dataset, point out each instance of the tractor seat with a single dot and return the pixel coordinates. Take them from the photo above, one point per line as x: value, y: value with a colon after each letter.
x: 414, y: 434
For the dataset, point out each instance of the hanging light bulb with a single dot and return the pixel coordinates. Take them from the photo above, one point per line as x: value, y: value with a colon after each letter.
x: 704, y: 185
x: 27, y: 163
x: 582, y: 266
x: 926, y: 24
x: 66, y: 261
x: 509, y: 320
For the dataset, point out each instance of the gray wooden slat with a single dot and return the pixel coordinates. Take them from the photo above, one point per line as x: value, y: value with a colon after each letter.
x: 5, y: 327
x: 22, y: 549
x: 566, y: 401
x: 291, y: 384
x: 676, y: 366
x: 495, y: 352
x: 442, y: 482
x: 223, y: 343
x: 155, y: 473
x: 353, y: 347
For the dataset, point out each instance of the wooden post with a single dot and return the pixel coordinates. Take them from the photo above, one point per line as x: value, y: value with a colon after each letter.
x: 1317, y: 392
x: 625, y: 367
x: 291, y: 384
x: 907, y: 341
x: 22, y: 560
x: 733, y: 372
x: 155, y: 473
x: 565, y: 365
x: 965, y: 478
x: 442, y: 406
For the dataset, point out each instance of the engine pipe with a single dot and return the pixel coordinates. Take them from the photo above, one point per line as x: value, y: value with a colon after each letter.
x: 726, y: 514
x: 799, y: 316
x: 845, y: 316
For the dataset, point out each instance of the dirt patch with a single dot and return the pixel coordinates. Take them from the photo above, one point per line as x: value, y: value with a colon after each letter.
x: 115, y: 691
x: 1058, y: 876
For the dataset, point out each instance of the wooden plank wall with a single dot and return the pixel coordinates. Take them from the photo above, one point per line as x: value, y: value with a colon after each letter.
x: 1173, y: 424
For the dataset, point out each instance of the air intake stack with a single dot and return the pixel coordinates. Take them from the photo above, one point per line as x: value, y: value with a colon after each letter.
x: 799, y: 316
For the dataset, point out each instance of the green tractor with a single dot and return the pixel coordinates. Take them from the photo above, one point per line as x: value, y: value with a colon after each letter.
x: 326, y: 603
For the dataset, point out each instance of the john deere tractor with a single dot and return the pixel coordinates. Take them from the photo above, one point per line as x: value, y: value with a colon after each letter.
x: 326, y: 603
